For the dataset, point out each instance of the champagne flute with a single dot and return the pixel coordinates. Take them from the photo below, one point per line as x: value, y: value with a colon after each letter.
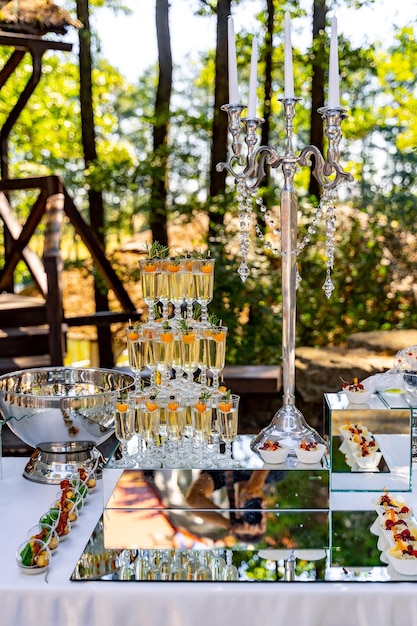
x: 204, y: 284
x: 190, y: 348
x: 137, y: 400
x: 164, y: 294
x: 190, y: 267
x: 216, y: 352
x: 124, y: 423
x: 164, y: 336
x: 201, y: 415
x: 175, y: 408
x: 227, y: 415
x: 136, y: 352
x: 150, y: 427
x: 150, y: 271
x: 151, y: 350
x: 177, y: 284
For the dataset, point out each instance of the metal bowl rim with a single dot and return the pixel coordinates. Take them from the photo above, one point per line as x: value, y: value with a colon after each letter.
x: 63, y: 369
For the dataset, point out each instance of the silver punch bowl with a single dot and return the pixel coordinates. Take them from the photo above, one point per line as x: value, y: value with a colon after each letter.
x: 63, y: 412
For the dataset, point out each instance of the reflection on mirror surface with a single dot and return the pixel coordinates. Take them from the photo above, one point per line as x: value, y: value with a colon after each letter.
x: 153, y: 508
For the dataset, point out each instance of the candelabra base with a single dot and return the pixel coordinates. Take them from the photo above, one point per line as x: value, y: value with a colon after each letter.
x: 289, y: 427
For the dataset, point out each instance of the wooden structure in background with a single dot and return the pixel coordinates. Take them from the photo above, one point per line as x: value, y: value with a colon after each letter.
x: 32, y: 330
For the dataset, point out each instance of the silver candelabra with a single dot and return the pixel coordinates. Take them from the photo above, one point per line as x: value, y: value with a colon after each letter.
x: 247, y: 166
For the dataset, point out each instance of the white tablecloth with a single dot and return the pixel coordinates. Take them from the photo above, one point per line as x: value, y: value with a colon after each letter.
x: 56, y: 601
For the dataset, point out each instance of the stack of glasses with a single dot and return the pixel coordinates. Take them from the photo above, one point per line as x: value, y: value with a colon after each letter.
x: 177, y: 420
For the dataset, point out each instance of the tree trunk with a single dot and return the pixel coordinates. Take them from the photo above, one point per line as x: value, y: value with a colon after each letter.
x: 317, y: 85
x: 219, y: 142
x: 96, y: 209
x: 268, y: 78
x: 158, y: 202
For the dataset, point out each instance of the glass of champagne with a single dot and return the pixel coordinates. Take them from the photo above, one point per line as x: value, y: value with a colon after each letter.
x: 136, y: 352
x: 201, y: 415
x: 150, y: 272
x: 151, y: 350
x: 137, y: 399
x: 190, y: 349
x: 177, y: 284
x: 227, y: 415
x: 150, y: 414
x: 190, y: 267
x: 175, y: 407
x: 124, y: 424
x: 164, y: 336
x: 164, y: 295
x: 204, y: 283
x: 216, y: 352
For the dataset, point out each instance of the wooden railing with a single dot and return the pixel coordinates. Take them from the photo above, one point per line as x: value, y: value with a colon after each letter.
x: 51, y: 204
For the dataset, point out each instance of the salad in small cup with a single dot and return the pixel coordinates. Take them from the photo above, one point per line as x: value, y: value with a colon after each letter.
x: 33, y: 556
x: 45, y: 533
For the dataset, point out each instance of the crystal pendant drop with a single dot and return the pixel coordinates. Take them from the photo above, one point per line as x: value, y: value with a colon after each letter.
x: 328, y: 286
x: 243, y: 271
x: 298, y: 278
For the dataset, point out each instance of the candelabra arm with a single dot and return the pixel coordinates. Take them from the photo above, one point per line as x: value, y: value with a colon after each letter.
x: 254, y: 162
x: 328, y: 173
x: 234, y: 112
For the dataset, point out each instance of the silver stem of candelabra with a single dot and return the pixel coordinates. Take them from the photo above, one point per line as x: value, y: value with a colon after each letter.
x: 288, y: 424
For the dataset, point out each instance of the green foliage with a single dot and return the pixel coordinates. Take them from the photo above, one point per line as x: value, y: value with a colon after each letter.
x: 375, y: 254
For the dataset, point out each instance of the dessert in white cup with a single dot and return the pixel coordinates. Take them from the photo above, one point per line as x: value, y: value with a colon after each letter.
x: 348, y: 430
x: 366, y: 459
x: 356, y: 392
x: 310, y: 451
x: 273, y: 452
x: 386, y: 503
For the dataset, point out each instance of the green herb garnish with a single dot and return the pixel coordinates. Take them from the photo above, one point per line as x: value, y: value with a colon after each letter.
x: 27, y: 555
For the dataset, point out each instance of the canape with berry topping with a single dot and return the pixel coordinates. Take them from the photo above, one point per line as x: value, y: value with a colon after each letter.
x: 273, y: 452
x: 310, y: 451
x: 356, y: 392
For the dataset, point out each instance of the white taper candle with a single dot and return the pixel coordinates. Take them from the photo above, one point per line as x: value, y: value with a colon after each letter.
x: 334, y: 68
x: 288, y: 72
x: 232, y: 63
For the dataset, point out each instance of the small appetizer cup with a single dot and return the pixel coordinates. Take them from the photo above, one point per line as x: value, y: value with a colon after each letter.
x: 274, y: 456
x: 69, y: 506
x: 33, y: 556
x: 407, y: 566
x: 80, y: 485
x: 73, y: 495
x: 362, y: 396
x: 310, y: 456
x: 52, y: 516
x: 371, y: 461
x: 45, y: 533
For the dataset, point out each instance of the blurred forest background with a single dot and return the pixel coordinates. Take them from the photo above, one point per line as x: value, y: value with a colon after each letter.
x: 149, y: 173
